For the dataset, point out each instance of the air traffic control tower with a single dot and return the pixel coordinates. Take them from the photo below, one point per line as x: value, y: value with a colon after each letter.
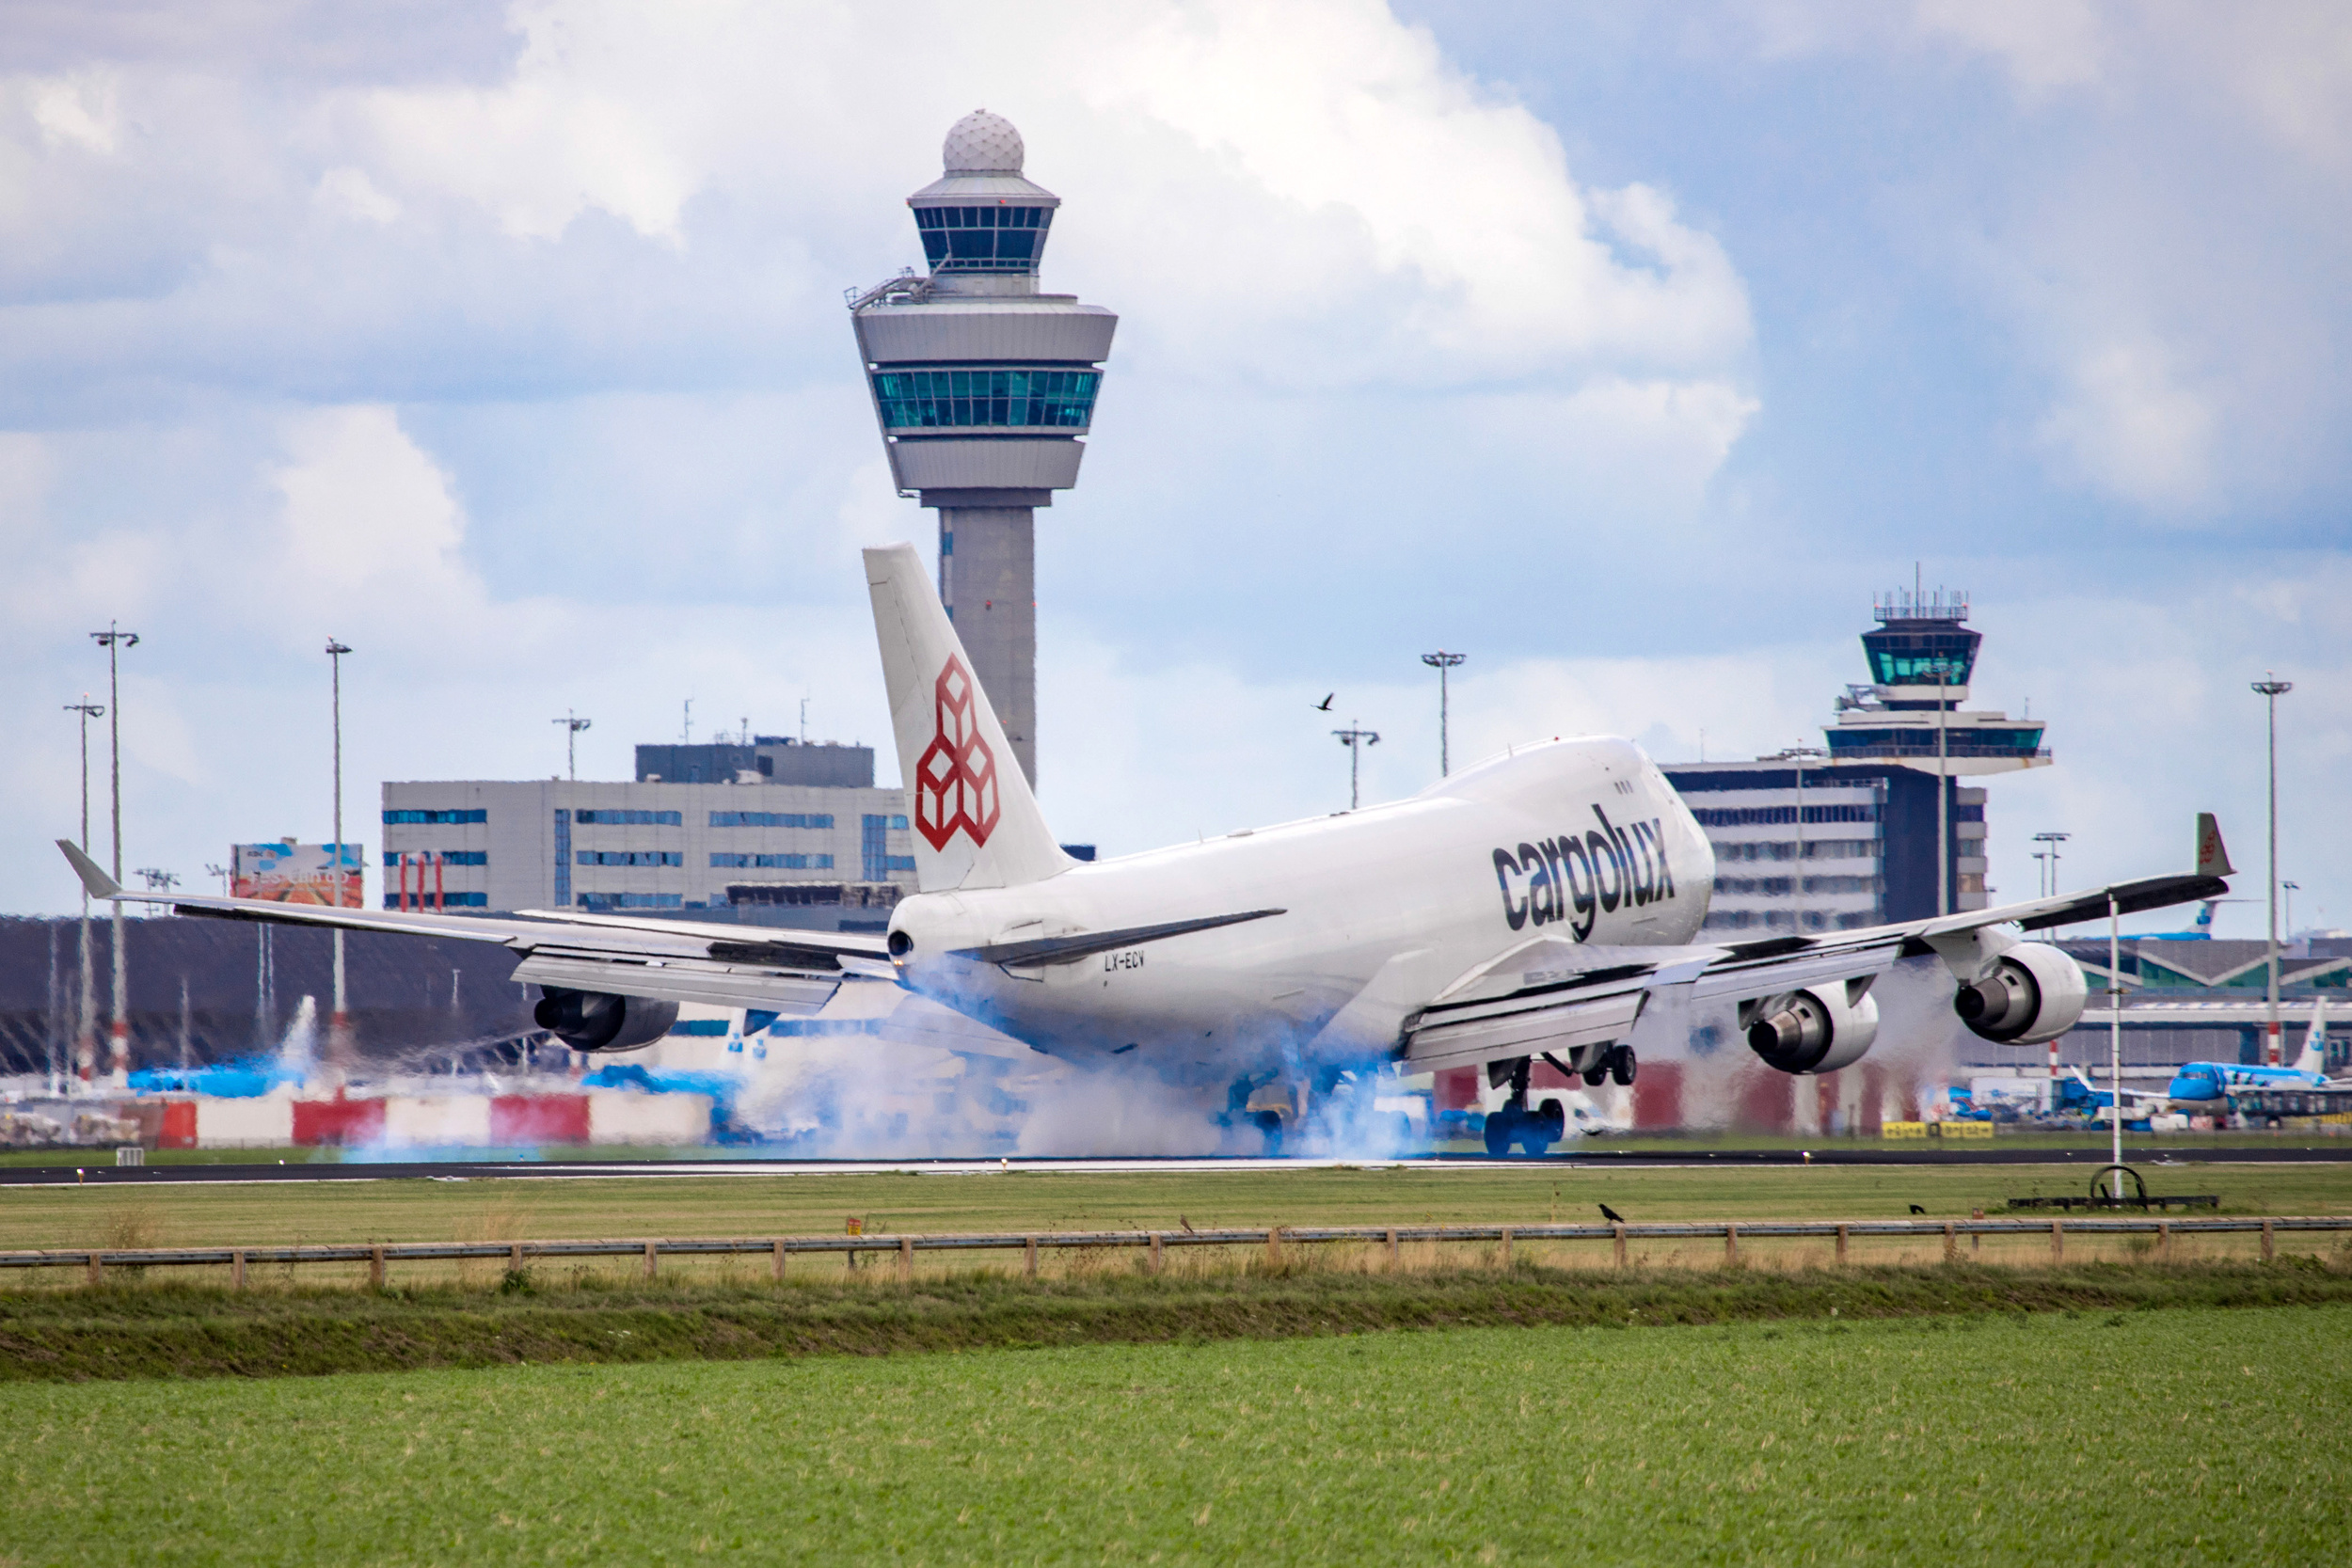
x: 983, y: 388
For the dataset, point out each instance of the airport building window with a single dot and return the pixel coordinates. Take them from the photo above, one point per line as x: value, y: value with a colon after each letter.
x: 897, y: 862
x: 455, y: 857
x: 447, y: 901
x: 630, y: 819
x: 1020, y: 399
x: 631, y: 857
x: 982, y: 238
x: 562, y: 858
x: 631, y: 901
x: 772, y: 863
x: 1764, y: 817
x: 770, y: 819
x: 433, y: 818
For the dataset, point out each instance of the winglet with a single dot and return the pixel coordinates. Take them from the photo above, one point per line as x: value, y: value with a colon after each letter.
x: 96, y: 881
x: 2212, y: 857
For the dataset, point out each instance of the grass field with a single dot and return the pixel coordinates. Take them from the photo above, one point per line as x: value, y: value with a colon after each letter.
x: 2177, y: 1436
x: 518, y: 1208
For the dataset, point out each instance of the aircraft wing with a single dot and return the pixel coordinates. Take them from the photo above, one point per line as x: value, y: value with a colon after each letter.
x: 1551, y: 994
x: 788, y: 971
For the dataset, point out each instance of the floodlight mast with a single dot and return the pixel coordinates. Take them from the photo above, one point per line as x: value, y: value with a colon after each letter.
x: 2270, y: 688
x: 113, y: 640
x: 572, y: 724
x: 1444, y: 661
x: 85, y: 1035
x: 1355, y: 738
x: 339, y: 1025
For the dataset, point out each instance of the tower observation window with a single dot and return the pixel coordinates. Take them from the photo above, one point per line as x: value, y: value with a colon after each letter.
x: 982, y: 238
x: 921, y: 400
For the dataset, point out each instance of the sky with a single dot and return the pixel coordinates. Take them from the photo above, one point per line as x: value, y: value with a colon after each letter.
x: 1626, y: 349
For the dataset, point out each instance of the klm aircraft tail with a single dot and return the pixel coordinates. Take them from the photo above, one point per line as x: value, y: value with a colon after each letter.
x: 976, y: 823
x: 2314, y: 1057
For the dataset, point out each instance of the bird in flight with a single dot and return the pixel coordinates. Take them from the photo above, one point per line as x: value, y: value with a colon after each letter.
x: 1610, y: 1215
x: 1325, y: 706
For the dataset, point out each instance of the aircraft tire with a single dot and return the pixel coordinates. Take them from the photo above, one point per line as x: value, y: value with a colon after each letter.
x: 1621, y: 1067
x: 1501, y: 1132
x: 1270, y: 1126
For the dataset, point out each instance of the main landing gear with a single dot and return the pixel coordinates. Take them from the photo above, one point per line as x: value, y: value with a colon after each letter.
x: 1533, y: 1129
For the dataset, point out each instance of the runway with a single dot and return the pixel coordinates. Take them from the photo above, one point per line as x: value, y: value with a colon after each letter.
x: 66, y: 1174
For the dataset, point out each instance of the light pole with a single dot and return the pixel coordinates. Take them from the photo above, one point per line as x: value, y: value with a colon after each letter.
x: 2271, y: 689
x: 2053, y: 840
x: 1442, y: 661
x: 1355, y: 737
x: 113, y: 640
x: 339, y: 1025
x: 86, y: 1036
x: 572, y: 724
x: 2289, y: 888
x: 1943, y: 802
x: 222, y: 872
x: 1797, y: 756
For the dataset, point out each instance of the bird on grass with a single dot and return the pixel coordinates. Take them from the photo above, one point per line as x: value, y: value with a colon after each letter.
x: 1916, y: 1209
x: 1610, y: 1215
x: 1325, y: 706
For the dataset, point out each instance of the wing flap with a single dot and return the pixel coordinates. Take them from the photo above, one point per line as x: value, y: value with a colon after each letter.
x: 1556, y: 1026
x: 713, y: 985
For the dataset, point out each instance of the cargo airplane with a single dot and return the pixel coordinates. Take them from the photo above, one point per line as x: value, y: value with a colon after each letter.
x: 1532, y: 907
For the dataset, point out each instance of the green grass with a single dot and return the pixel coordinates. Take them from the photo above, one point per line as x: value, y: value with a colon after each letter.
x: 121, y: 1332
x: 255, y: 1213
x: 2176, y: 1436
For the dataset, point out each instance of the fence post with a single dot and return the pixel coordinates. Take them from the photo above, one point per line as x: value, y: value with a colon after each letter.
x: 650, y: 1257
x: 1506, y: 1246
x: 1731, y: 1243
x: 98, y: 1266
x: 1619, y: 1229
x: 1156, y: 1252
x: 2164, y: 1241
x: 1031, y: 1269
x: 1273, y: 1246
x: 2270, y: 1246
x: 1951, y: 1243
x: 376, y: 1267
x: 1841, y: 1241
x: 906, y: 1260
x: 2058, y: 1241
x: 1395, y: 1253
x: 776, y: 1270
x: 236, y: 1270
x: 514, y: 1258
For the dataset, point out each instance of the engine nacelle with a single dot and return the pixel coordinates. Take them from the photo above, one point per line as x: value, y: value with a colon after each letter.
x: 1815, y: 1031
x: 2035, y: 993
x: 600, y: 1021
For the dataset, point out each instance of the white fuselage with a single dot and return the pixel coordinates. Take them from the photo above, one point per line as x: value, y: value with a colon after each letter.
x: 1582, y: 839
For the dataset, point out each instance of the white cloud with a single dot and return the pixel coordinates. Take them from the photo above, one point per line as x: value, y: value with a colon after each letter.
x: 348, y: 193
x: 2044, y: 44
x: 2130, y: 425
x: 78, y: 110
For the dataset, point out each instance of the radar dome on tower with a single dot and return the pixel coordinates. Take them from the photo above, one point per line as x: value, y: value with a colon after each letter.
x: 982, y: 143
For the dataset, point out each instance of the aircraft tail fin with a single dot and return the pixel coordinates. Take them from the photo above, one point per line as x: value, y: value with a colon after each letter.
x: 2213, y: 856
x: 2314, y: 1057
x: 976, y: 822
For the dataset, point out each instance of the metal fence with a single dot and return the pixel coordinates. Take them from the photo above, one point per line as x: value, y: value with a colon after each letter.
x: 516, y: 1255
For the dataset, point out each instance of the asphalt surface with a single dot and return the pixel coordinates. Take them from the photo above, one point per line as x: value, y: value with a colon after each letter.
x: 475, y: 1171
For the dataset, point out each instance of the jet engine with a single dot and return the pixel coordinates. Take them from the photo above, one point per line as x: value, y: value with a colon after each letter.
x: 2034, y: 994
x: 1814, y: 1031
x: 600, y: 1021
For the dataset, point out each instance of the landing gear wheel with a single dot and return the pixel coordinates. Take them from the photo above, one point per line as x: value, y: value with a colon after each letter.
x: 1621, y: 1067
x: 1271, y: 1126
x: 1593, y: 1075
x: 1539, y: 1129
x: 1501, y: 1132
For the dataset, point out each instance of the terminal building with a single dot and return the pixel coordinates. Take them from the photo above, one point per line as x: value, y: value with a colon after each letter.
x: 984, y: 389
x: 771, y: 831
x: 1876, y: 825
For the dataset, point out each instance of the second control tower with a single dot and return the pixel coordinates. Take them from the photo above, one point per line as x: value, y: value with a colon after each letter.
x: 983, y: 388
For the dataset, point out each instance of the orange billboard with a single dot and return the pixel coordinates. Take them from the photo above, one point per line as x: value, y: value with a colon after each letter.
x: 290, y: 872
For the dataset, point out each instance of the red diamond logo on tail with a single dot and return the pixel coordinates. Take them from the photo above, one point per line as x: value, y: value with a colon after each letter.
x: 955, y: 785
